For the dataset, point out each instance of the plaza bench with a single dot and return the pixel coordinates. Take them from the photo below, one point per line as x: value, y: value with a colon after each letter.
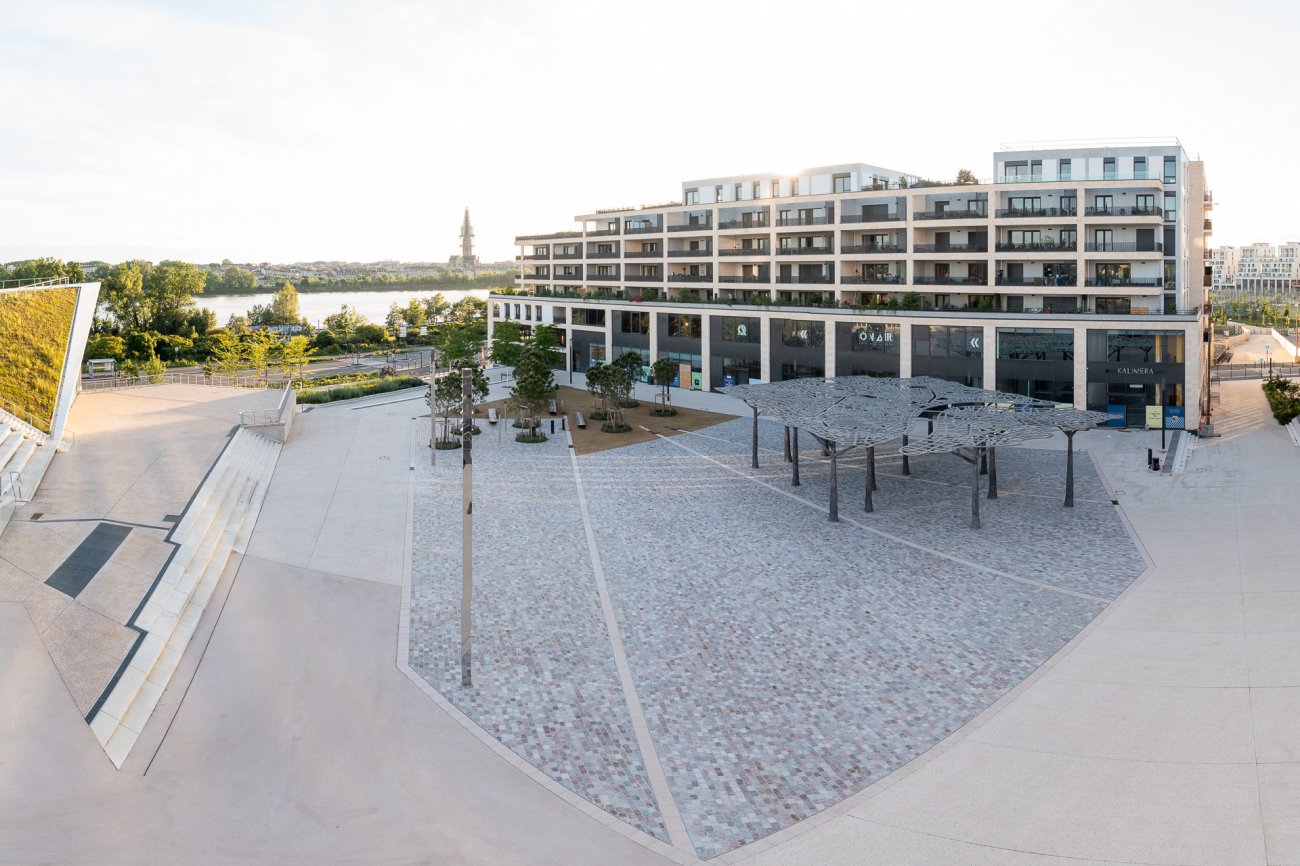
x: 492, y: 416
x: 580, y: 421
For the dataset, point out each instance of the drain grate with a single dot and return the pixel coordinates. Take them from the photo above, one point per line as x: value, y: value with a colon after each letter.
x: 38, y: 515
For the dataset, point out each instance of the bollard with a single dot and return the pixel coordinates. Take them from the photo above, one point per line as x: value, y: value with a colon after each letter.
x: 552, y: 426
x: 562, y: 427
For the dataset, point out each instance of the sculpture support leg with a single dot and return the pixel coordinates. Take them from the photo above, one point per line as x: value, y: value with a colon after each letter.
x: 975, y: 492
x: 907, y: 467
x: 871, y: 467
x: 993, y: 473
x: 754, y: 458
x: 835, y: 483
x: 787, y: 443
x: 794, y: 454
x: 1069, y: 468
x: 984, y: 462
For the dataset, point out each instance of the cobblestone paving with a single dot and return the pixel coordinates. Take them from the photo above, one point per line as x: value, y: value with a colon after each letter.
x: 545, y: 684
x: 1027, y: 531
x: 783, y: 662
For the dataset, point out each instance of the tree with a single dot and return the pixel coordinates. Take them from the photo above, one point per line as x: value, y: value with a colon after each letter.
x: 171, y: 287
x: 447, y: 396
x: 46, y: 268
x: 121, y: 293
x: 235, y: 280
x: 227, y: 355
x: 201, y: 321
x: 507, y: 343
x: 457, y: 346
x: 293, y: 356
x: 344, y: 322
x: 662, y: 373
x: 630, y: 362
x: 261, y: 351
x: 612, y: 384
x: 469, y: 309
x: 534, y: 386
x: 965, y: 176
x: 435, y: 307
x: 282, y: 310
x: 414, y: 314
x: 105, y: 346
x: 370, y: 334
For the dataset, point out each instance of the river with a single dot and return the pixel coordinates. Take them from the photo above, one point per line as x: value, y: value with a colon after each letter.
x: 315, y: 306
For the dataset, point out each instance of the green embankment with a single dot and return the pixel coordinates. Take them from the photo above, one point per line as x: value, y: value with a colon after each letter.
x: 34, y: 329
x: 349, y: 392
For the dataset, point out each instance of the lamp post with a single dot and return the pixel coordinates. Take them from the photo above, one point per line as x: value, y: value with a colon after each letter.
x: 467, y: 522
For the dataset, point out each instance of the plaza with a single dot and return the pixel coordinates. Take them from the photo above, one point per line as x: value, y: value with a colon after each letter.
x: 677, y: 658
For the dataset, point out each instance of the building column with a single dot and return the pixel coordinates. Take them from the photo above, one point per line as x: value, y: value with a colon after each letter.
x: 830, y: 347
x: 609, y: 334
x: 905, y: 350
x: 990, y: 356
x: 706, y: 368
x: 654, y: 336
x: 765, y: 347
x: 1081, y: 366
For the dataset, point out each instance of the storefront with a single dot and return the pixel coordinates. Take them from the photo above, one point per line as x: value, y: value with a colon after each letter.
x: 798, y: 349
x: 587, y: 349
x: 680, y: 341
x: 735, y: 346
x: 1036, y: 362
x: 632, y: 334
x: 1129, y: 371
x: 863, y: 348
x: 952, y: 352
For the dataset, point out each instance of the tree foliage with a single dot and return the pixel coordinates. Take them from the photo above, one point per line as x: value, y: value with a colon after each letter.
x: 662, y: 373
x: 507, y: 343
x: 966, y: 176
x: 282, y: 309
x: 534, y: 385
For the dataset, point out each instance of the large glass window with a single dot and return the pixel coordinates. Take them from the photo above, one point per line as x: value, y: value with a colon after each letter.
x: 586, y: 316
x: 1171, y: 169
x: 683, y: 326
x: 869, y: 337
x: 1132, y: 347
x: 1066, y: 170
x: 799, y: 333
x: 632, y: 322
x: 948, y: 341
x: 740, y: 329
x: 1036, y: 344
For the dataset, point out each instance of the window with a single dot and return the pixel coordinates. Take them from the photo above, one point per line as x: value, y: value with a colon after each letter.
x: 1171, y: 169
x: 651, y: 247
x: 1139, y: 168
x: 1035, y: 344
x: 1069, y: 238
x: 1065, y: 169
x: 798, y: 333
x: 1022, y: 204
x: 1069, y: 205
x: 755, y: 190
x: 1108, y: 168
x: 692, y: 196
x: 717, y: 193
x: 794, y: 186
x: 1145, y: 204
x: 840, y: 183
x: 1171, y: 206
x: 1024, y: 238
x: 1104, y: 240
x: 738, y: 192
x: 1102, y: 204
x: 741, y: 330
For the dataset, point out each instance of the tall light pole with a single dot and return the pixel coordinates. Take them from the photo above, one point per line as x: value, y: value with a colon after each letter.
x: 466, y: 523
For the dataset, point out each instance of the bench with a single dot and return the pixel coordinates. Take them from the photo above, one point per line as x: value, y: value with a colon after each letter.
x: 492, y: 416
x: 551, y: 408
x: 580, y: 421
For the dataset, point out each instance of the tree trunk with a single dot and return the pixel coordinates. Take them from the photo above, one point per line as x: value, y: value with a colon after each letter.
x: 1069, y: 468
x: 993, y: 472
x: 975, y: 492
x: 794, y: 453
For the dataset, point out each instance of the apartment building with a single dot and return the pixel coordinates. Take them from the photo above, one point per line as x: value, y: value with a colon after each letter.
x: 1223, y: 271
x: 1256, y: 272
x: 1075, y: 273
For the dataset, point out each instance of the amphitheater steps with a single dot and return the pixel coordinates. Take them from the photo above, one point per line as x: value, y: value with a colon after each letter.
x: 25, y: 453
x: 217, y: 522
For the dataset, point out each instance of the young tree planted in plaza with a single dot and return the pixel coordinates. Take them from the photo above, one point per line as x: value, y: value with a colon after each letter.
x: 596, y: 388
x: 630, y: 362
x: 615, y: 387
x: 662, y: 373
x: 534, y: 386
x: 507, y: 343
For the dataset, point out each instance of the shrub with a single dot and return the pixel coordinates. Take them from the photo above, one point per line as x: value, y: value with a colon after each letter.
x: 350, y: 392
x: 1283, y: 398
x: 531, y: 438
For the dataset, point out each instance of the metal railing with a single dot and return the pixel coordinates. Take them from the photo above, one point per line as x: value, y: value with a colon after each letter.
x: 1123, y: 211
x: 828, y: 250
x: 687, y: 253
x: 692, y: 227
x: 643, y: 254
x: 860, y: 249
x: 761, y: 278
x: 643, y: 230
x: 1119, y: 282
x: 611, y: 254
x: 741, y: 224
x: 742, y: 251
x: 950, y: 281
x: 1018, y: 212
x: 34, y: 282
x: 794, y: 279
x: 861, y: 280
x: 863, y: 218
x: 690, y: 278
x: 952, y: 215
x: 24, y: 418
x: 1037, y: 247
x: 950, y: 248
x: 804, y: 221
x: 1124, y: 247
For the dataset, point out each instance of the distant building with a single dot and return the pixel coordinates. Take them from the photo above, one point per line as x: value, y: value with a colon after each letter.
x: 1256, y: 271
x: 466, y: 259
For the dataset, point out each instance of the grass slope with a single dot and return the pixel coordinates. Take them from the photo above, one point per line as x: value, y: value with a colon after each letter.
x: 34, y: 329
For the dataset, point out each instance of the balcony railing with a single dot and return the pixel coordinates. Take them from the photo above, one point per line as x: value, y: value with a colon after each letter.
x: 537, y: 276
x: 797, y: 279
x: 1070, y: 177
x: 577, y: 275
x: 863, y: 218
x: 1124, y: 211
x: 742, y: 224
x: 761, y: 278
x: 1125, y: 247
x: 537, y: 257
x: 643, y: 254
x: 1120, y: 282
x: 690, y: 278
x: 1037, y: 247
x: 742, y: 251
x: 804, y: 221
x: 1069, y: 282
x: 1018, y: 212
x: 567, y: 256
x: 692, y: 227
x: 603, y: 255
x: 859, y: 280
x: 950, y: 248
x: 602, y: 276
x: 867, y: 249
x: 643, y: 278
x: 950, y: 281
x: 600, y: 233
x: 677, y: 254
x: 805, y: 251
x: 951, y: 215
x: 643, y: 230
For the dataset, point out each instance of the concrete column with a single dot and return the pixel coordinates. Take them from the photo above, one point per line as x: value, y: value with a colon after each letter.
x: 1081, y: 365
x: 765, y: 347
x: 990, y: 356
x: 705, y: 345
x: 610, y: 313
x: 654, y: 336
x: 905, y: 350
x: 830, y: 346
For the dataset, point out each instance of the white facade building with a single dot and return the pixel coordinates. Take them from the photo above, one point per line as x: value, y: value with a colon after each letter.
x: 1075, y: 273
x: 1257, y: 272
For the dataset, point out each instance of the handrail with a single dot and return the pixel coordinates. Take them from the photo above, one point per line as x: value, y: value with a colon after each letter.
x: 22, y: 415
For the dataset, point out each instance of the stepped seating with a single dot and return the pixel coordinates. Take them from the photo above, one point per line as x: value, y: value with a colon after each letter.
x: 218, y: 522
x: 25, y: 452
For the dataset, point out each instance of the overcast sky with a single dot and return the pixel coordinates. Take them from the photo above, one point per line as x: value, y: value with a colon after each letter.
x: 288, y: 131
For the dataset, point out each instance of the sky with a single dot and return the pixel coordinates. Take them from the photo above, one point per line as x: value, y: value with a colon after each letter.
x: 359, y: 131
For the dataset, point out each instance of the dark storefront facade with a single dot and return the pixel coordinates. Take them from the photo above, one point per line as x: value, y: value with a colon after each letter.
x: 1131, y: 370
x: 798, y: 349
x: 952, y: 352
x: 1036, y: 362
x: 866, y: 348
x: 735, y: 350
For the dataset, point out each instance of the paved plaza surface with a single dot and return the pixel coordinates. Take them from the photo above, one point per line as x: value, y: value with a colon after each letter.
x: 1040, y: 715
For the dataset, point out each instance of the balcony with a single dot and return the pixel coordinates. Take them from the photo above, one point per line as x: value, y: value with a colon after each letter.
x: 950, y: 248
x: 567, y: 256
x: 603, y: 277
x: 1063, y: 282
x: 678, y: 254
x: 643, y: 278
x: 604, y: 255
x: 871, y: 249
x: 805, y: 251
x: 796, y: 279
x: 1038, y: 247
x: 643, y: 230
x: 744, y: 251
x: 535, y: 257
x: 805, y: 221
x: 1122, y: 282
x: 547, y: 237
x: 1074, y: 177
x: 744, y: 224
x: 1021, y: 212
x: 600, y: 233
x: 537, y: 276
x: 951, y: 215
x: 857, y: 280
x: 861, y: 218
x: 643, y: 254
x: 950, y: 281
x: 761, y: 278
x: 690, y: 278
x: 1107, y: 247
x: 692, y: 227
x: 1123, y: 211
